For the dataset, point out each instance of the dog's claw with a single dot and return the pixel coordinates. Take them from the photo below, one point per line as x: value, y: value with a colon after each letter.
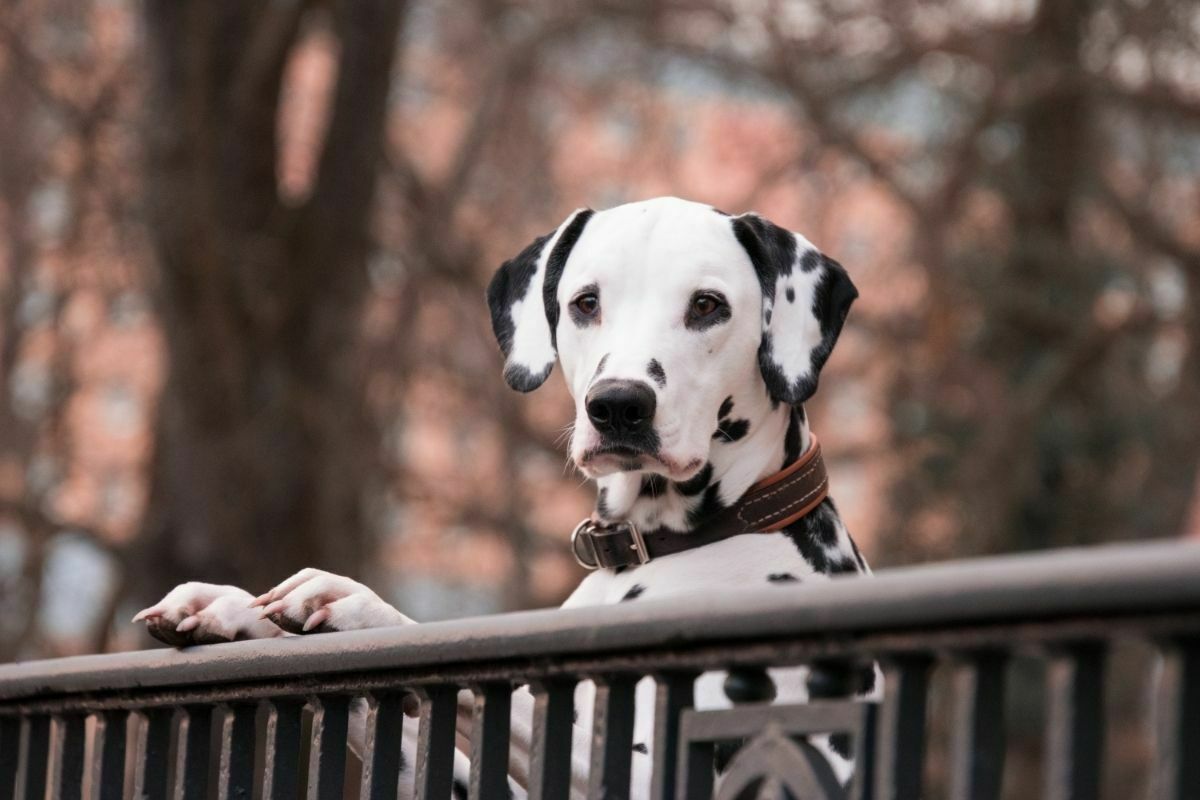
x: 322, y: 615
x: 273, y: 608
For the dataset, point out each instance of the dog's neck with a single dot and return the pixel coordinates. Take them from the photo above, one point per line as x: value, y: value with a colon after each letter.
x: 755, y: 438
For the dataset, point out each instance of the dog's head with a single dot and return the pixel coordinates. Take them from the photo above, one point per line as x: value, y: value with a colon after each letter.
x: 657, y: 310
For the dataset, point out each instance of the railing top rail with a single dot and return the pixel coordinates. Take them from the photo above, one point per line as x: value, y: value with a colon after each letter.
x: 1117, y: 580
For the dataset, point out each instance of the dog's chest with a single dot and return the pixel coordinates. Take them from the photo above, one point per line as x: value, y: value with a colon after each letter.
x: 740, y: 562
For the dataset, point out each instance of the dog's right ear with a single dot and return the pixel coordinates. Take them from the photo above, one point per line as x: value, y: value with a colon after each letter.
x: 523, y: 299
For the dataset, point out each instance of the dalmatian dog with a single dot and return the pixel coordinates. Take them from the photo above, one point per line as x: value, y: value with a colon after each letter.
x: 689, y: 340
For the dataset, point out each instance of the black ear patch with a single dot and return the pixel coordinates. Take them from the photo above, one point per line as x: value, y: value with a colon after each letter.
x: 510, y: 284
x: 799, y: 333
x: 555, y: 266
x: 523, y: 319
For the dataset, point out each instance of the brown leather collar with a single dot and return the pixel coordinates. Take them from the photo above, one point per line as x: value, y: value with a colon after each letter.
x: 769, y: 505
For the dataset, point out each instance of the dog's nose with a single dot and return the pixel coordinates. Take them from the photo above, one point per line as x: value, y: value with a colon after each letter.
x: 618, y: 407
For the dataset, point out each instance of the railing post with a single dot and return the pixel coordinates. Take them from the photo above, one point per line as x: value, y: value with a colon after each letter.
x: 67, y: 782
x: 327, y: 753
x: 152, y: 753
x: 674, y: 691
x: 977, y: 752
x: 382, y: 756
x: 612, y: 737
x: 192, y: 753
x: 31, y: 782
x: 1075, y: 722
x: 236, y: 770
x: 553, y: 723
x: 489, y: 740
x: 900, y: 734
x: 10, y: 754
x: 281, y: 756
x: 435, y: 742
x: 108, y: 763
x: 1177, y: 746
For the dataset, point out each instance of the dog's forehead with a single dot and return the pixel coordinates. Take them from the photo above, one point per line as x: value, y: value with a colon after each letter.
x: 664, y: 238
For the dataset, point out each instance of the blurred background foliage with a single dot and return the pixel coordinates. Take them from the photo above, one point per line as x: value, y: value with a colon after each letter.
x: 243, y: 247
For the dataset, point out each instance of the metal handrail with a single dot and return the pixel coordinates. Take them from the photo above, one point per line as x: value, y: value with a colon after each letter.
x: 1099, y: 582
x: 1066, y: 608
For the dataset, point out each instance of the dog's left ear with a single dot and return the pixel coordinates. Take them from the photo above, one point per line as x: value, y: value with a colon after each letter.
x: 806, y: 296
x: 523, y: 300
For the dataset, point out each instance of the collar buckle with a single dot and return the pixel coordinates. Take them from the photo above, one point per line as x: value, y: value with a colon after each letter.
x: 597, y: 545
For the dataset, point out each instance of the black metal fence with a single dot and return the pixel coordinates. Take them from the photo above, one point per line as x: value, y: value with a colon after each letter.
x: 269, y: 718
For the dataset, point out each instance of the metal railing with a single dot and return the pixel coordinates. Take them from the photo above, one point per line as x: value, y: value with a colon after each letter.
x: 228, y: 720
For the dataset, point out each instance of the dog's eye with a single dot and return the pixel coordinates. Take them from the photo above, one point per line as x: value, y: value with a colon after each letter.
x: 587, y: 304
x: 704, y: 305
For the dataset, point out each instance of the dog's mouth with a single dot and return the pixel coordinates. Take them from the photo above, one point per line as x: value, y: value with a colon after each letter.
x: 625, y: 457
x: 610, y: 458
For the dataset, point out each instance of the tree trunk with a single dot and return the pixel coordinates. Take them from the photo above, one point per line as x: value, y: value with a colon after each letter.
x: 265, y: 447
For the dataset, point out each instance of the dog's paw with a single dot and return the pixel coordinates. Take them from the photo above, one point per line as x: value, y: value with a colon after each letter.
x: 314, y: 601
x: 204, y: 613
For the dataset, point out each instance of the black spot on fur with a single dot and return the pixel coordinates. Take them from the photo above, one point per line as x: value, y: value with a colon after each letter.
x: 810, y: 260
x: 655, y: 370
x: 602, y: 509
x: 832, y: 297
x: 731, y: 430
x: 640, y: 747
x: 840, y: 566
x: 555, y: 265
x: 653, y: 486
x: 791, y: 294
x: 791, y: 441
x: 782, y: 577
x: 726, y: 408
x: 459, y: 790
x: 634, y: 592
x: 806, y: 534
x: 840, y: 744
x: 816, y: 536
x: 772, y: 251
x: 709, y: 504
x: 695, y: 485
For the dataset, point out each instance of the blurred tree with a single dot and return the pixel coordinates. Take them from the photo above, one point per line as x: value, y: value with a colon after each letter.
x: 265, y: 448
